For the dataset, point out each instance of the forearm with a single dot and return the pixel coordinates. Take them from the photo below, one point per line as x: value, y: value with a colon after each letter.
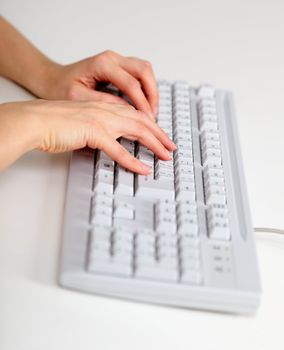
x: 21, y: 62
x: 19, y: 132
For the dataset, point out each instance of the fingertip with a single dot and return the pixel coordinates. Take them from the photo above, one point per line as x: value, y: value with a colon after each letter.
x: 168, y: 154
x: 164, y: 155
x: 144, y: 169
x: 169, y: 144
x: 173, y: 146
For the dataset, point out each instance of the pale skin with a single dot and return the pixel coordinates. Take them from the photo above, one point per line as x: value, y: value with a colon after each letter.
x: 70, y: 113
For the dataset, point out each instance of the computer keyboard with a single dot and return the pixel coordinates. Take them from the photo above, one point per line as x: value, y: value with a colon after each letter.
x: 181, y: 236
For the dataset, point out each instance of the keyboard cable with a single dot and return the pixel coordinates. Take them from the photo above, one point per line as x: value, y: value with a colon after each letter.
x: 269, y: 230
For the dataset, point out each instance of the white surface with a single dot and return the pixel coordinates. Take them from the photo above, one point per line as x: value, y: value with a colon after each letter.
x: 232, y: 44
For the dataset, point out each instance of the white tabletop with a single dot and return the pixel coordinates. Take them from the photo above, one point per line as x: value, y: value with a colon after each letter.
x: 236, y: 45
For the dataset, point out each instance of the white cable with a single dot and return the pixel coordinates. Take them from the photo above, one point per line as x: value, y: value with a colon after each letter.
x: 269, y: 230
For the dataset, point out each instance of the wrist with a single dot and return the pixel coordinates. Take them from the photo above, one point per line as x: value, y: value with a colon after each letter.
x: 21, y: 125
x: 45, y: 81
x: 19, y: 132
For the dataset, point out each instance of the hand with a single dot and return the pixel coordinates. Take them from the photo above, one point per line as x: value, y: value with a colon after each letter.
x: 59, y: 126
x: 78, y: 81
x: 23, y: 63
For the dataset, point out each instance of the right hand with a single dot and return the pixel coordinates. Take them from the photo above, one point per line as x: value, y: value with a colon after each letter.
x: 64, y: 126
x: 79, y: 81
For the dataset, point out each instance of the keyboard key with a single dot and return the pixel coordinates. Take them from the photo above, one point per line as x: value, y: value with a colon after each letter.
x: 206, y: 92
x: 216, y: 194
x: 210, y: 136
x: 104, y: 182
x: 102, y: 200
x: 124, y: 181
x: 213, y: 171
x: 155, y: 272
x: 219, y: 228
x: 187, y: 224
x: 102, y: 156
x: 189, y: 240
x: 149, y: 188
x: 110, y: 267
x: 122, y: 248
x: 101, y: 214
x: 123, y: 210
x: 101, y: 242
x: 185, y: 191
x: 165, y: 222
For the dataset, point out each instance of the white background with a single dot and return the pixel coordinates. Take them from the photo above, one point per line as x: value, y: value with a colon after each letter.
x: 236, y: 45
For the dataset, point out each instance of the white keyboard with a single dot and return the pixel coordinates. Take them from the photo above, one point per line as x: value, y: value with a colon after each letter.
x: 181, y: 236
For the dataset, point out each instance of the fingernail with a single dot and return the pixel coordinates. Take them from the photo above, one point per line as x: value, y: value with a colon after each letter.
x: 171, y: 146
x: 168, y: 154
x: 145, y: 168
x: 174, y: 146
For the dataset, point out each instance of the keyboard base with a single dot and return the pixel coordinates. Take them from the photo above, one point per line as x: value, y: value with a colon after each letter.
x: 200, y: 298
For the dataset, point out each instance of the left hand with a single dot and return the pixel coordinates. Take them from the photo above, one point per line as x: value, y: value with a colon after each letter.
x: 78, y: 81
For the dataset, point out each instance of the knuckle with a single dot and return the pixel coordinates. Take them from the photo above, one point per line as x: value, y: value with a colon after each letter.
x: 104, y: 56
x: 108, y: 53
x: 146, y: 66
x: 139, y: 127
x: 139, y: 115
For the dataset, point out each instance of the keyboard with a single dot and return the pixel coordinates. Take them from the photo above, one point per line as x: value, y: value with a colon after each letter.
x: 181, y: 236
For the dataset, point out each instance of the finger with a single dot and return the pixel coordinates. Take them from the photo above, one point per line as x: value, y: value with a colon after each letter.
x: 150, y: 141
x: 83, y: 93
x: 136, y: 130
x: 142, y: 70
x: 133, y: 129
x: 153, y: 127
x: 161, y: 135
x: 123, y: 157
x: 108, y: 98
x: 132, y: 88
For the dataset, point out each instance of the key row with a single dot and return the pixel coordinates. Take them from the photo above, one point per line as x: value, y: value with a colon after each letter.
x: 183, y: 156
x: 213, y: 172
x: 170, y: 218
